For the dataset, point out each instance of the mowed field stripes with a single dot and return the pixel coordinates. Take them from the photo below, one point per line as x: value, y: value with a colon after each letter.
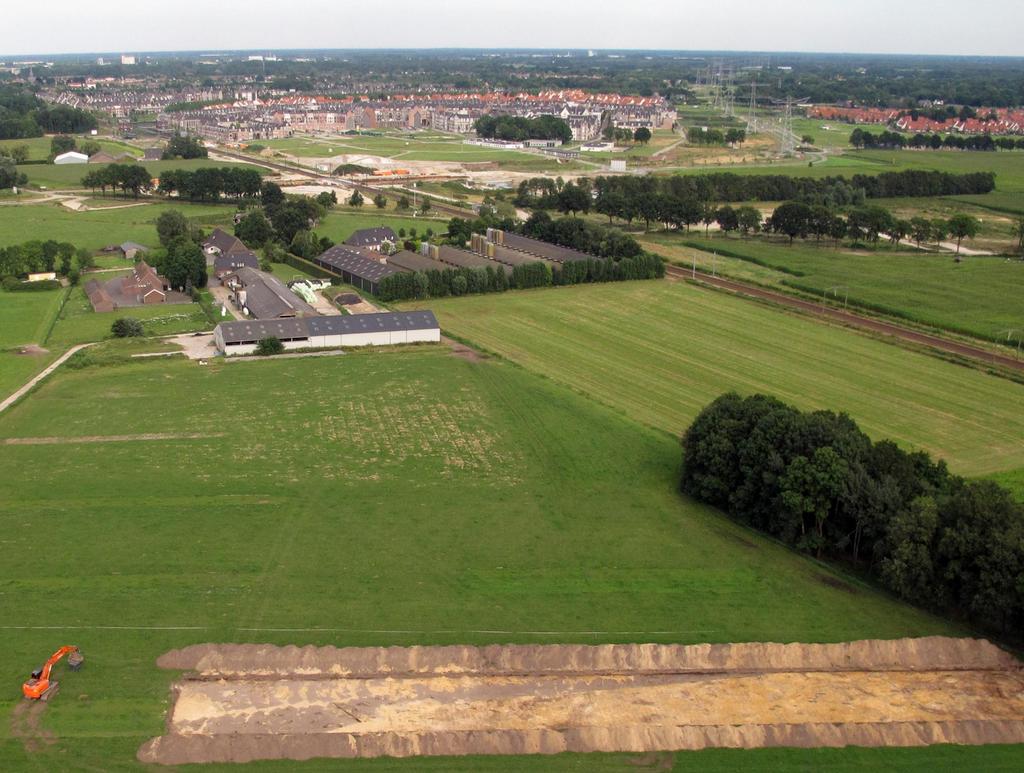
x: 661, y: 351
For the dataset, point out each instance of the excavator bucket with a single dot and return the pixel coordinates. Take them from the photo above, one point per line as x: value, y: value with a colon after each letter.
x: 75, y: 661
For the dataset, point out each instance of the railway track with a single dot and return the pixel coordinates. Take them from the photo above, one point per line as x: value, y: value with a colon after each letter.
x: 851, y: 319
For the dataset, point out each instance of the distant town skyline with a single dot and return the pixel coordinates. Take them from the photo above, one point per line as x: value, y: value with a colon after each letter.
x: 983, y: 27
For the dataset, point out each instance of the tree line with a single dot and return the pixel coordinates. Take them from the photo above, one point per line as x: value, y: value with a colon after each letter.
x: 440, y: 283
x: 796, y: 219
x: 618, y: 257
x: 816, y: 482
x: 204, y: 184
x: 890, y: 140
x: 517, y: 128
x: 632, y: 197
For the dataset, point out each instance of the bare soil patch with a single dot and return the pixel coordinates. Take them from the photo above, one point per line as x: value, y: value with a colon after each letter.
x: 462, y: 351
x: 248, y: 702
x: 32, y: 350
x: 26, y: 726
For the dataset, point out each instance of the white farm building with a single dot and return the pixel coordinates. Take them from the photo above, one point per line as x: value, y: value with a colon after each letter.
x: 71, y: 157
x: 384, y: 329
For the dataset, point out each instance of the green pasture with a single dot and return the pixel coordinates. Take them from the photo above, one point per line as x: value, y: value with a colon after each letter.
x: 660, y: 351
x: 25, y: 318
x: 342, y: 221
x: 976, y: 296
x: 39, y: 147
x: 412, y: 492
x: 99, y: 227
x: 69, y: 176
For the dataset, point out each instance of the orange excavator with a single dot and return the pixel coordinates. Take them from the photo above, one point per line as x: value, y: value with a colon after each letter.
x: 39, y: 686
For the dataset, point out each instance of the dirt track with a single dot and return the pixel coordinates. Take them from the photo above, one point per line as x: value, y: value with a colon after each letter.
x: 851, y: 319
x: 247, y: 702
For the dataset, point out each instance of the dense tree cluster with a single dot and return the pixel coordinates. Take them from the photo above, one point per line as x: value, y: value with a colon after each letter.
x: 24, y: 115
x: 184, y: 146
x: 711, y: 136
x: 890, y: 140
x: 9, y: 174
x: 17, y: 260
x: 817, y: 482
x: 211, y: 183
x: 131, y: 179
x: 518, y: 128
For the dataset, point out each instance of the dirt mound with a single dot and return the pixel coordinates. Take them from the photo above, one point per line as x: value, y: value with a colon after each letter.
x: 33, y: 351
x: 250, y: 702
x: 925, y: 654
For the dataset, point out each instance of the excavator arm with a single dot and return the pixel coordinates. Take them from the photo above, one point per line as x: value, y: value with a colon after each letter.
x: 39, y: 686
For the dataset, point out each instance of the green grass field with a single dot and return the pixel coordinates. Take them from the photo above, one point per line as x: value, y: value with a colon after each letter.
x: 96, y: 228
x: 975, y: 296
x: 25, y: 318
x: 341, y: 222
x: 69, y: 176
x: 411, y: 492
x: 78, y: 323
x: 1009, y: 166
x: 39, y: 147
x: 660, y: 351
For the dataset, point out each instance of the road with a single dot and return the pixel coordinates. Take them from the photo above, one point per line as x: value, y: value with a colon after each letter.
x: 852, y: 320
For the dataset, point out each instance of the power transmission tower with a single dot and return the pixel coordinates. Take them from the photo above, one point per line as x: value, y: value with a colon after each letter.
x: 782, y: 129
x: 752, y: 108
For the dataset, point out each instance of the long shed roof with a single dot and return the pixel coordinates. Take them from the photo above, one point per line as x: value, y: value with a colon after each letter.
x: 252, y: 331
x: 342, y: 258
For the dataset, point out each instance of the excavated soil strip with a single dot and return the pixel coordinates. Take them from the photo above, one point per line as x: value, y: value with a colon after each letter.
x: 248, y: 702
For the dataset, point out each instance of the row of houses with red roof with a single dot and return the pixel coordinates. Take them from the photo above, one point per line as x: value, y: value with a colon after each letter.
x: 997, y: 121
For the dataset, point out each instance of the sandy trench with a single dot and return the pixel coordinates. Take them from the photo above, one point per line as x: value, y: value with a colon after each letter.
x: 247, y: 702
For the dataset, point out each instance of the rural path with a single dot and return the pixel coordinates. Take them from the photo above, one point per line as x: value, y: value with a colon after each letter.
x: 8, y: 402
x: 668, y: 148
x: 852, y: 320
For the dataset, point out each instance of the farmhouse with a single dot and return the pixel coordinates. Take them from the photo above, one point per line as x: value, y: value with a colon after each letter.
x: 71, y: 157
x: 142, y: 287
x: 232, y: 261
x: 355, y: 267
x: 384, y: 329
x: 220, y: 242
x: 372, y: 238
x: 264, y: 296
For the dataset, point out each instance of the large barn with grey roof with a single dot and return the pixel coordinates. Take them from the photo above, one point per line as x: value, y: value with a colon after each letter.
x: 384, y: 329
x: 355, y: 267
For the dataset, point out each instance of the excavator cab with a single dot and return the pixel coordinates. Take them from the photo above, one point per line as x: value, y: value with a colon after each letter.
x: 39, y: 686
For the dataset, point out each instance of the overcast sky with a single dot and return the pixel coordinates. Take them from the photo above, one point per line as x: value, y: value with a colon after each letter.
x: 888, y: 26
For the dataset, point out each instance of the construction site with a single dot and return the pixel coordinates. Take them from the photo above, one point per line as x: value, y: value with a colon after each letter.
x: 240, y: 703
